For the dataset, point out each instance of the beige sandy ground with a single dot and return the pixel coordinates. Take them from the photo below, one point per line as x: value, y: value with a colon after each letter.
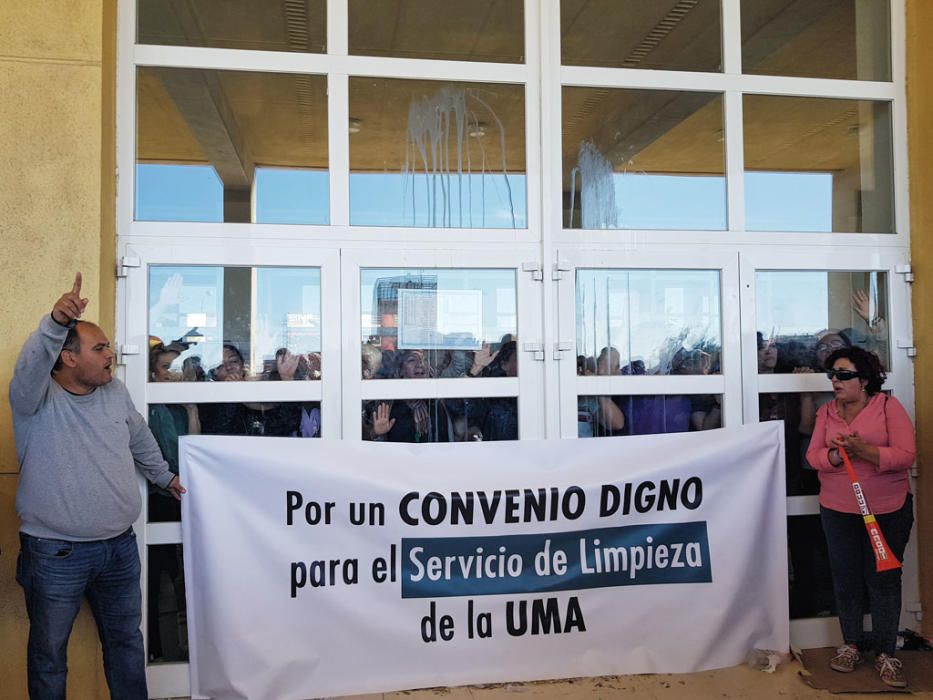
x: 738, y: 683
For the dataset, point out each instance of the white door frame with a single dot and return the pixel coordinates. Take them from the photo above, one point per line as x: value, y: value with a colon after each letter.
x: 527, y: 386
x: 171, y: 679
x: 727, y: 384
x: 824, y: 631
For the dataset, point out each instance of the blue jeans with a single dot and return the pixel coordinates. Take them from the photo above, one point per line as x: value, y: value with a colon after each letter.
x: 56, y: 575
x: 852, y: 561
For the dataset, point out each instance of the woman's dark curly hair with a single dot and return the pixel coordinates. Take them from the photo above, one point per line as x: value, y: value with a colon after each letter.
x: 866, y: 364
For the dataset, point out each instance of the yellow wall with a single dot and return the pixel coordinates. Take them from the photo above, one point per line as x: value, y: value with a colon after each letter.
x: 57, y: 218
x: 920, y: 137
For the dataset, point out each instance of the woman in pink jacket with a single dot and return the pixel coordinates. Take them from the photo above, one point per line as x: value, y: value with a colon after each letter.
x: 876, y: 433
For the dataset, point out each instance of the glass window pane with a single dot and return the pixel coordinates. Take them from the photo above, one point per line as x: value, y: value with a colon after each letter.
x: 848, y: 39
x: 810, y: 580
x: 234, y: 24
x: 233, y: 323
x: 666, y: 34
x: 606, y: 416
x: 798, y: 411
x: 815, y: 164
x: 492, y: 30
x: 167, y: 638
x: 420, y: 323
x: 803, y: 315
x: 441, y: 420
x: 650, y: 159
x: 648, y: 322
x: 231, y: 146
x: 429, y: 153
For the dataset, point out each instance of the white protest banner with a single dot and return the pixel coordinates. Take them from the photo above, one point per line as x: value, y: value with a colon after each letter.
x: 320, y: 567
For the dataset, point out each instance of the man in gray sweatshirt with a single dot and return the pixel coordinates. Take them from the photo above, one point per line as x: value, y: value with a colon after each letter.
x: 79, y: 441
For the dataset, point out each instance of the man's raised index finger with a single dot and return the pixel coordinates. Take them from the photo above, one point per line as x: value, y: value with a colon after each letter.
x: 76, y: 289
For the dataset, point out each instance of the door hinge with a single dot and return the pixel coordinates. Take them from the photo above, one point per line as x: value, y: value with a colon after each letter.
x: 905, y: 270
x: 563, y: 346
x: 537, y: 273
x: 908, y: 346
x: 124, y: 350
x: 915, y: 608
x: 536, y: 348
x: 560, y: 267
x: 126, y: 262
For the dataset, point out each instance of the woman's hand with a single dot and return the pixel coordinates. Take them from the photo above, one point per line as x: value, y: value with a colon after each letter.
x: 382, y: 423
x: 481, y: 359
x: 857, y: 448
x: 287, y: 365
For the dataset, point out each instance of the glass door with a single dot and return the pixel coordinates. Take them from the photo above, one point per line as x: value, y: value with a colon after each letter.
x: 442, y: 346
x: 646, y: 342
x: 221, y: 341
x: 796, y: 310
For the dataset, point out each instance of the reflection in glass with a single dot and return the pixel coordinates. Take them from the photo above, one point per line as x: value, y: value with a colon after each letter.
x: 606, y: 416
x: 420, y: 323
x: 798, y: 411
x: 166, y: 192
x: 165, y: 600
x: 493, y: 30
x: 292, y: 196
x: 804, y: 315
x: 810, y: 580
x: 234, y: 24
x: 648, y: 322
x: 848, y: 39
x: 665, y: 34
x: 817, y: 164
x: 231, y: 146
x: 650, y: 159
x: 441, y: 420
x: 235, y: 323
x: 429, y: 153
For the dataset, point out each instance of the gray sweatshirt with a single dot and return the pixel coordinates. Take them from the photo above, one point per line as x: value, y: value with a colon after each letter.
x: 76, y: 453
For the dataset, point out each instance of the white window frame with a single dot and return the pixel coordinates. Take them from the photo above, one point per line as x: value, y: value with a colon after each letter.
x: 541, y: 384
x: 526, y: 387
x: 728, y: 384
x: 825, y: 631
x: 171, y: 679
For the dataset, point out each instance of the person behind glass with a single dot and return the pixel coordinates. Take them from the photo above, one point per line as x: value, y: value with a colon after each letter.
x: 601, y: 416
x: 609, y: 361
x: 225, y: 418
x: 705, y: 409
x: 79, y: 441
x: 168, y: 422
x: 286, y: 419
x: 191, y: 369
x: 770, y: 406
x: 410, y: 420
x: 876, y: 433
x: 828, y: 342
x: 371, y: 360
x: 500, y: 419
x: 232, y: 367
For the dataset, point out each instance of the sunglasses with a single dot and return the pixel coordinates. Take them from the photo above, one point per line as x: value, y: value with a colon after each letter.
x: 843, y: 375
